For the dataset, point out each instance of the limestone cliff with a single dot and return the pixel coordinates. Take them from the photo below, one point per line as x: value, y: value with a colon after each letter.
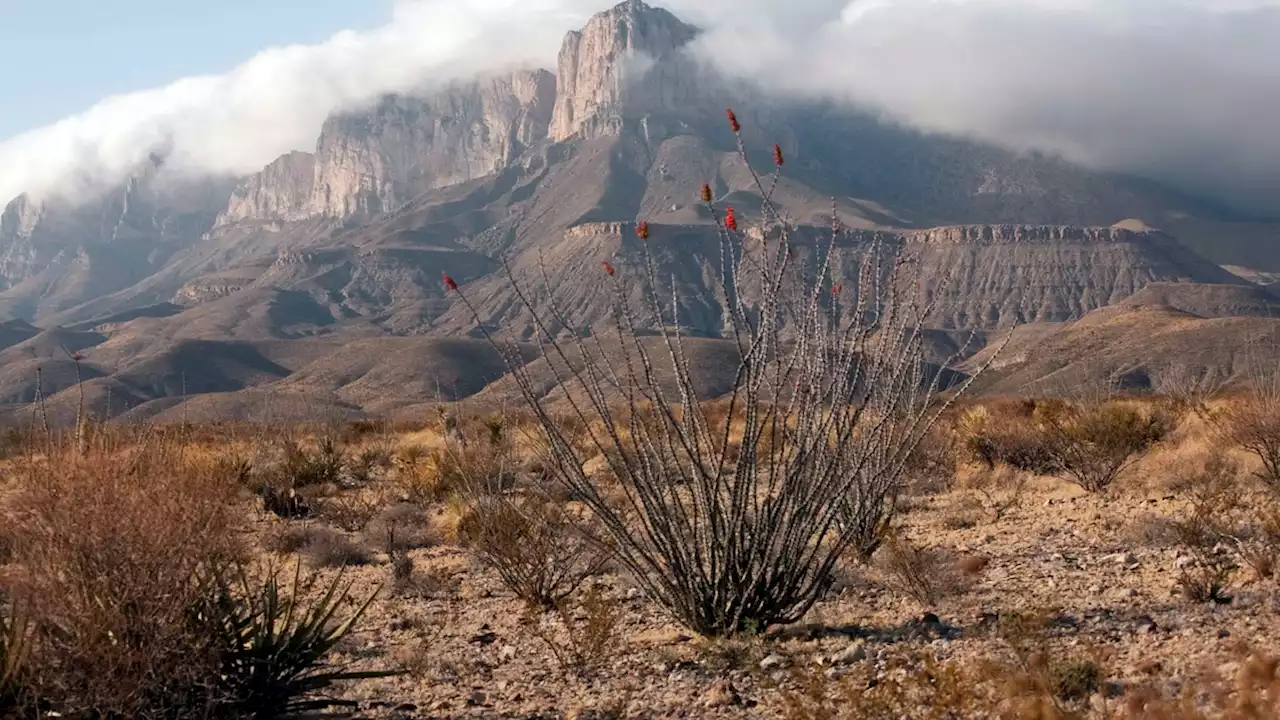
x: 282, y: 191
x: 625, y: 64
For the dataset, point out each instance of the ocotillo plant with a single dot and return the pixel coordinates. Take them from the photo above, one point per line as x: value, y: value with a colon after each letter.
x: 736, y: 521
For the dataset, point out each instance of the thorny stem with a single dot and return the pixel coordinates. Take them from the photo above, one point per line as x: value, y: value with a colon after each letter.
x: 741, y: 524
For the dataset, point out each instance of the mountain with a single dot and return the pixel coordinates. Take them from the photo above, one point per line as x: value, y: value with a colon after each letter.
x: 235, y: 288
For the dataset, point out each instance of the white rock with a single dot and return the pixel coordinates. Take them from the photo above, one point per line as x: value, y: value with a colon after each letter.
x: 856, y: 652
x: 771, y: 662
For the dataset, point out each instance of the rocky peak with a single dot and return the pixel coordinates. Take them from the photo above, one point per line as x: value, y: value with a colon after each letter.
x: 376, y: 159
x: 20, y: 217
x: 625, y: 64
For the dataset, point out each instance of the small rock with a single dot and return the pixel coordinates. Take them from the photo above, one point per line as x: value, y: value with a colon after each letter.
x: 506, y: 653
x: 1224, y: 634
x: 1131, y: 593
x: 1095, y: 589
x: 407, y: 707
x: 857, y: 652
x: 721, y: 694
x: 634, y: 594
x: 1183, y: 561
x: 476, y: 699
x: 773, y: 661
x: 1124, y: 558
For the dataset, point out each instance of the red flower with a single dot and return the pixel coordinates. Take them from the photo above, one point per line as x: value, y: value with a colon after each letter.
x: 642, y: 230
x: 706, y: 193
x: 607, y: 268
x: 777, y: 155
x: 730, y: 220
x: 835, y: 289
x: 448, y: 281
x: 77, y: 357
x: 733, y: 121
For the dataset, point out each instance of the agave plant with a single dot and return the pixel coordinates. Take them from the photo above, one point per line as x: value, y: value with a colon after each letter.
x: 276, y: 645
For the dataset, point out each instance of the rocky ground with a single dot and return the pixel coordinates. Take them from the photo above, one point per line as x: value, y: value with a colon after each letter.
x: 1101, y: 571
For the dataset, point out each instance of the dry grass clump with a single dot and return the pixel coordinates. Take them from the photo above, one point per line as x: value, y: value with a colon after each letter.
x: 1206, y: 526
x: 582, y: 632
x: 926, y: 575
x: 539, y: 548
x: 997, y: 491
x: 320, y: 546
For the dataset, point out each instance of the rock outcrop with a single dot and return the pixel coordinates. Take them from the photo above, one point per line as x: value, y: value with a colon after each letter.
x: 625, y: 64
x: 282, y: 191
x: 375, y: 160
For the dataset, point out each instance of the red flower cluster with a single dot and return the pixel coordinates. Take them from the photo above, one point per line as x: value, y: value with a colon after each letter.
x: 733, y: 121
x: 607, y: 268
x: 706, y: 193
x: 730, y: 220
x: 777, y: 155
x: 448, y: 281
x: 642, y: 230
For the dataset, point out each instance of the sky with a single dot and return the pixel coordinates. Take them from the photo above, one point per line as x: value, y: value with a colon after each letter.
x: 1183, y: 91
x: 69, y: 54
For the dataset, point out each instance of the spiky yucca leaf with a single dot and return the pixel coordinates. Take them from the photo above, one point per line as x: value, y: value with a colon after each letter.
x: 275, y: 663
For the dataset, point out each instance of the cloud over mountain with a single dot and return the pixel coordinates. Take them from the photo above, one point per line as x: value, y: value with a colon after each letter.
x: 1186, y: 91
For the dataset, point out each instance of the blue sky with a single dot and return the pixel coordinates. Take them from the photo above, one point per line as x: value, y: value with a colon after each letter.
x: 60, y: 57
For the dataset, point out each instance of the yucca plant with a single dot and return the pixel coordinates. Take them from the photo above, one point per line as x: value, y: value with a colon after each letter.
x: 276, y: 645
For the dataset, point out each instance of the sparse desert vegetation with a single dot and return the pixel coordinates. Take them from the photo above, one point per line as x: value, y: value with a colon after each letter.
x: 843, y: 532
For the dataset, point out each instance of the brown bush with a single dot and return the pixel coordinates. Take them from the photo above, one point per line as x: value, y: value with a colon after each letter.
x: 538, y: 547
x: 325, y: 547
x: 583, y: 633
x: 927, y: 575
x: 998, y: 491
x: 1253, y: 423
x: 114, y: 546
x: 1010, y: 438
x: 1205, y: 527
x: 1091, y: 445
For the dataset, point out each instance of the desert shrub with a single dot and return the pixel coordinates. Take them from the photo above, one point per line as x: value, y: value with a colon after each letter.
x: 539, y: 548
x: 114, y: 546
x: 582, y: 633
x: 286, y: 539
x: 325, y: 547
x: 1205, y: 527
x: 350, y: 511
x: 926, y: 575
x: 1253, y: 423
x: 1092, y: 445
x: 1010, y: 437
x: 931, y: 467
x: 834, y: 396
x: 400, y: 528
x: 998, y: 491
x: 129, y: 552
x: 449, y: 471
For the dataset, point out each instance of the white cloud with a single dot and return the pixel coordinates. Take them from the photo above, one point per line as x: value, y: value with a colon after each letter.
x: 1184, y: 90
